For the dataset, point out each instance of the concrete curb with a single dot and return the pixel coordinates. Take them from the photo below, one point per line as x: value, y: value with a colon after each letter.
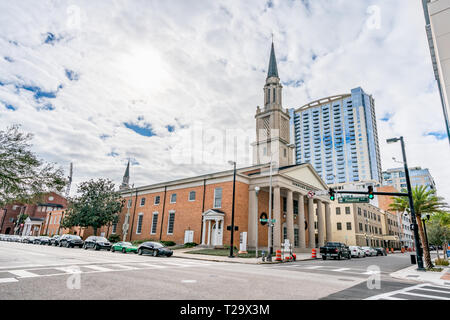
x: 410, y: 273
x: 185, y: 256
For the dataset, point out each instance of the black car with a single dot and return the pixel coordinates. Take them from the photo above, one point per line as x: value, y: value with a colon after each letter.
x: 54, y: 240
x: 155, y: 248
x: 70, y: 241
x: 42, y: 240
x: 381, y: 251
x: 97, y: 243
x: 28, y: 239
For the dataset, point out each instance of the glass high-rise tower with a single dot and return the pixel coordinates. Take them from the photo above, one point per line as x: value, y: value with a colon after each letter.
x: 338, y: 136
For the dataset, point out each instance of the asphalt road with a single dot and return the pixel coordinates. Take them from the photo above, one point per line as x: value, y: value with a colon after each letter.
x: 42, y: 272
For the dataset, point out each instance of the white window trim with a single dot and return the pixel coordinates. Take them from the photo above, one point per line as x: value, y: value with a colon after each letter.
x: 137, y: 223
x: 153, y: 220
x: 154, y: 201
x: 214, y: 200
x: 175, y: 198
x: 189, y: 196
x: 168, y: 222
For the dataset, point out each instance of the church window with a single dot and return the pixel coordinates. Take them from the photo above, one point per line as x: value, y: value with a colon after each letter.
x: 273, y: 95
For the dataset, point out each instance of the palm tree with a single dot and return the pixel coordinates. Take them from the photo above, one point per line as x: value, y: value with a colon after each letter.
x: 425, y: 202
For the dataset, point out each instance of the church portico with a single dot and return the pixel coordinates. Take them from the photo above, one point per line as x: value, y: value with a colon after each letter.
x: 292, y: 211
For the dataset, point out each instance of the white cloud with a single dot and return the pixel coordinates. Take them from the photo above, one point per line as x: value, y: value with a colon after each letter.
x: 173, y: 63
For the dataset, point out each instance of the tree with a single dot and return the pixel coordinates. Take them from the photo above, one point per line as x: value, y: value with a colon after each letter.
x: 425, y: 202
x: 96, y: 205
x: 438, y: 234
x: 23, y: 177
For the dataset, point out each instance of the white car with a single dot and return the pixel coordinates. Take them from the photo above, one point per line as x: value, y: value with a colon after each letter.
x: 356, y: 252
x: 369, y: 251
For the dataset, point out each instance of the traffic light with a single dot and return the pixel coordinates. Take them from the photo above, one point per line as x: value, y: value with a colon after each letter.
x: 331, y: 193
x: 370, y: 191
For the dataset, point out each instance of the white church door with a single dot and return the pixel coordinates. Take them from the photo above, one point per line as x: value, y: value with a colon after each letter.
x: 217, y: 236
x: 188, y: 236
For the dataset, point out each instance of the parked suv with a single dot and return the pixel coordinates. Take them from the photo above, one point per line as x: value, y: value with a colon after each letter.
x: 357, y: 252
x: 336, y: 250
x: 70, y: 241
x: 42, y: 240
x: 97, y: 243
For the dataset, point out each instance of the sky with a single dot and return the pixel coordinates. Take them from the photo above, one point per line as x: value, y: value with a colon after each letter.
x: 99, y: 83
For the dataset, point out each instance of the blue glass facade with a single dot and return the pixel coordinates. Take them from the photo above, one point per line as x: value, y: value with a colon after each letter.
x: 329, y: 135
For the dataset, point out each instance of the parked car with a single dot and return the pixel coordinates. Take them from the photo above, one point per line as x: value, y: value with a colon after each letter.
x: 381, y: 252
x: 97, y: 243
x: 70, y: 241
x: 335, y: 250
x: 42, y: 240
x: 357, y: 252
x: 124, y: 247
x: 155, y: 248
x: 28, y: 239
x: 370, y: 252
x: 54, y: 240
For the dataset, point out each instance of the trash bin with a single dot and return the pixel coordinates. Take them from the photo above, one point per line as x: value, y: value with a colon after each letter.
x: 413, y: 259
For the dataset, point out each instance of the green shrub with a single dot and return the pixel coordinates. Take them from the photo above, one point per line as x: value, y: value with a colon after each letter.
x: 114, y: 238
x: 227, y: 246
x: 441, y: 262
x: 190, y: 244
x: 168, y: 243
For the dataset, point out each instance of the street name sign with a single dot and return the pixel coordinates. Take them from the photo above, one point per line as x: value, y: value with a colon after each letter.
x: 353, y: 200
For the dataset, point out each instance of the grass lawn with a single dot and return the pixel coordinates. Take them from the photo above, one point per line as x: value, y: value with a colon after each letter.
x: 223, y: 253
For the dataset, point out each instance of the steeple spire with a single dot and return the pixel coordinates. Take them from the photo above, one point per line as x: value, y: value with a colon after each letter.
x: 126, y: 178
x: 273, y: 70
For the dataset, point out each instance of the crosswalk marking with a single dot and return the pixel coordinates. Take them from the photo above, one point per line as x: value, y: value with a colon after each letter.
x: 424, y: 295
x: 313, y: 267
x: 150, y: 265
x: 434, y: 293
x: 23, y: 273
x: 5, y: 280
x: 121, y: 266
x: 98, y: 268
x: 340, y: 269
x: 68, y: 269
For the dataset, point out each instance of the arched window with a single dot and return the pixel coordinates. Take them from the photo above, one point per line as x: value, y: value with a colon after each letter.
x: 273, y: 94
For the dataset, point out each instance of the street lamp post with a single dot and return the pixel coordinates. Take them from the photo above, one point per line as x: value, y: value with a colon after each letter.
x: 232, y: 210
x: 411, y: 205
x: 269, y: 236
x: 256, y: 218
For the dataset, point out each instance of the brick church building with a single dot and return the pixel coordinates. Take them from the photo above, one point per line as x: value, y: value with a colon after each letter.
x: 198, y: 209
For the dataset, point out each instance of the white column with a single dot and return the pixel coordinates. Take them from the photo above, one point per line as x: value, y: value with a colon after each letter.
x: 204, y: 231
x: 252, y: 216
x: 277, y: 217
x: 328, y: 221
x: 290, y: 217
x: 301, y: 221
x: 320, y: 224
x: 311, y: 230
x: 209, y: 232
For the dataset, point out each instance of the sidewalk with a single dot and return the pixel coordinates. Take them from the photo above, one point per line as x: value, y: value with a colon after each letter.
x: 439, y: 278
x: 181, y: 253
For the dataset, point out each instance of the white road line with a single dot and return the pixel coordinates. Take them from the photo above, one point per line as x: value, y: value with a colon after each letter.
x: 98, y: 268
x: 69, y: 269
x: 434, y: 290
x: 340, y: 269
x: 121, y: 266
x: 150, y: 265
x: 5, y: 280
x: 407, y: 291
x: 23, y: 273
x: 393, y: 298
x: 371, y: 272
x: 178, y: 264
x: 313, y: 267
x: 188, y: 281
x: 424, y: 295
